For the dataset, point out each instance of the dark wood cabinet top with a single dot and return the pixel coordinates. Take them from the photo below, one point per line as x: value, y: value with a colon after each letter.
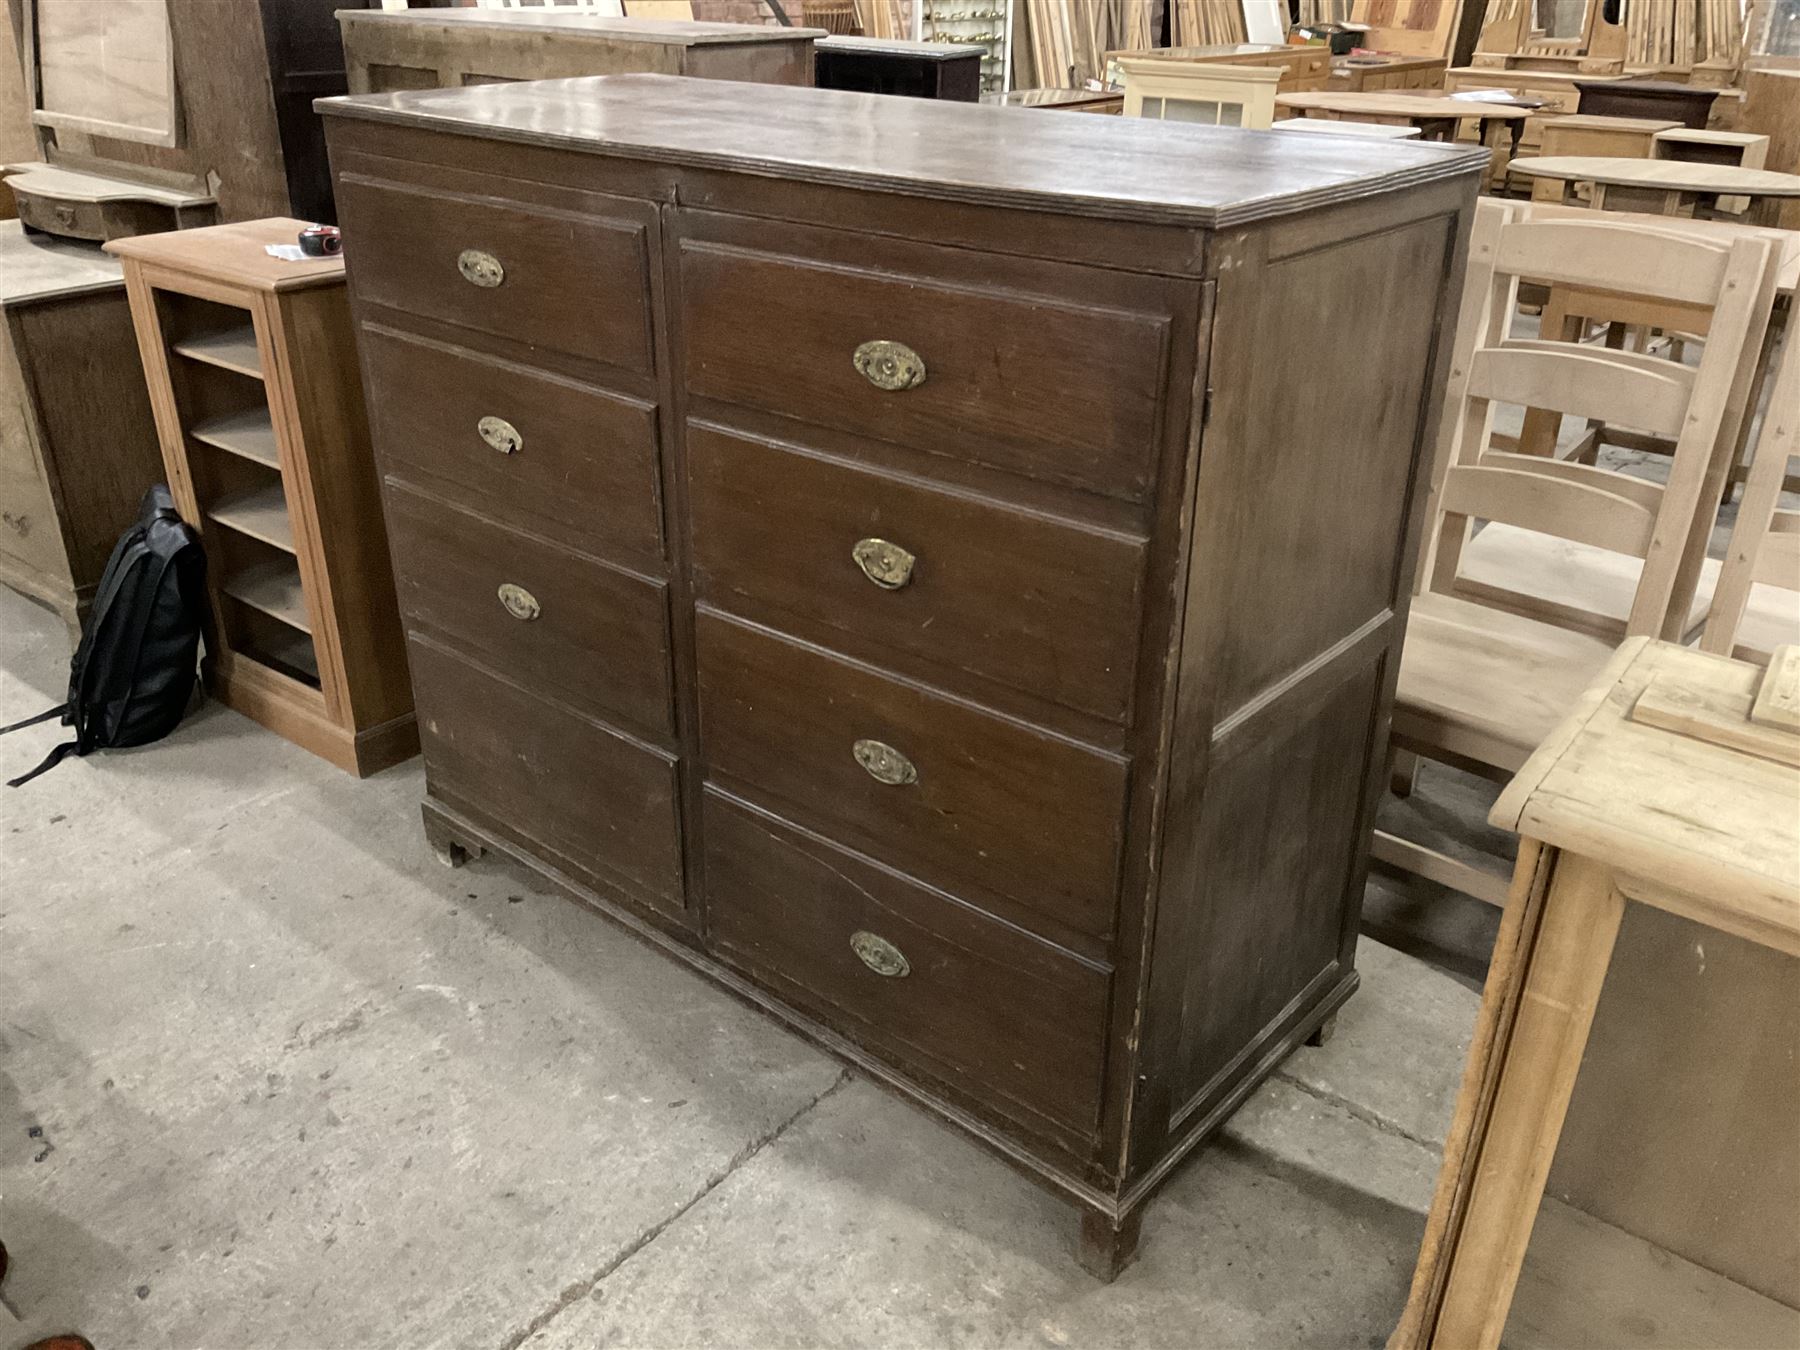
x: 915, y: 51
x: 1125, y: 168
x: 574, y: 24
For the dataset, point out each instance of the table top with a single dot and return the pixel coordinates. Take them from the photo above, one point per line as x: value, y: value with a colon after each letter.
x: 1595, y: 122
x: 1403, y: 105
x: 1691, y: 825
x: 915, y: 51
x: 1314, y: 126
x: 1053, y: 98
x: 74, y: 185
x: 1695, y: 136
x: 1166, y: 173
x: 36, y: 267
x: 574, y: 23
x: 233, y: 253
x: 1673, y: 174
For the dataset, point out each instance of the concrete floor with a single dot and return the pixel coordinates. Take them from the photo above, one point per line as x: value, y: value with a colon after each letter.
x: 272, y: 1077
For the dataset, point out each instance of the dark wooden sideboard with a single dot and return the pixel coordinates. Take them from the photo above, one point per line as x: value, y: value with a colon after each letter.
x: 950, y: 596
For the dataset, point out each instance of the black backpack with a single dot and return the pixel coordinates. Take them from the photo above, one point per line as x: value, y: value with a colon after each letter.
x: 133, y: 672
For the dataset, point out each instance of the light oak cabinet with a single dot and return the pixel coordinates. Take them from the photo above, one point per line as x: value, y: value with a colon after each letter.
x: 251, y: 365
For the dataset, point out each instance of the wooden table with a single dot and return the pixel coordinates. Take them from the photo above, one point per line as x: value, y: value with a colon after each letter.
x: 1673, y: 783
x: 1662, y: 187
x: 1436, y: 117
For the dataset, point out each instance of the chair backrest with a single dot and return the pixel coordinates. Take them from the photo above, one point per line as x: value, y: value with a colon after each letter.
x: 1210, y: 93
x: 1764, y: 550
x: 1473, y: 481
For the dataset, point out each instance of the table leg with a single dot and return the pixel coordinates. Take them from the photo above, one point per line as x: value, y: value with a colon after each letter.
x: 1563, y: 974
x: 1538, y: 432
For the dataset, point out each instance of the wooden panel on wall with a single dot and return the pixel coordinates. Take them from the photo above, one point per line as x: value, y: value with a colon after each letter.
x: 17, y: 140
x: 1772, y: 108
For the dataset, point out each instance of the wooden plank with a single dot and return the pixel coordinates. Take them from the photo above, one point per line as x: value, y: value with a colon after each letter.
x: 233, y: 349
x: 274, y: 588
x: 1715, y: 714
x: 250, y: 434
x: 1390, y: 850
x: 1778, y: 699
x: 260, y: 513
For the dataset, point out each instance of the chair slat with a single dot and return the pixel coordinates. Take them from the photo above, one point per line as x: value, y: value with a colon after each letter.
x: 1765, y: 541
x: 1778, y: 561
x: 1640, y: 490
x: 1533, y: 501
x: 1605, y: 256
x: 1584, y: 382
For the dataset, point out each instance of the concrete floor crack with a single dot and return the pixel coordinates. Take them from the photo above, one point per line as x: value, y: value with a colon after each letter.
x: 585, y: 1288
x: 1357, y: 1112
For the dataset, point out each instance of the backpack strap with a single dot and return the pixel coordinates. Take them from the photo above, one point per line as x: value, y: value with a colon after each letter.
x: 44, y: 716
x: 140, y: 626
x: 50, y: 761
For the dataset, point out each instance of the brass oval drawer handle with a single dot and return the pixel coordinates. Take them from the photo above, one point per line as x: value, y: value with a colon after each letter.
x: 889, y: 365
x: 880, y: 955
x: 501, y: 434
x: 887, y: 565
x: 480, y: 269
x: 519, y: 602
x: 884, y: 763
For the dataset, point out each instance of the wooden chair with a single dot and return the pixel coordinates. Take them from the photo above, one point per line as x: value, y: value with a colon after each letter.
x: 1481, y: 685
x: 1195, y: 91
x: 1756, y: 604
x: 1571, y: 581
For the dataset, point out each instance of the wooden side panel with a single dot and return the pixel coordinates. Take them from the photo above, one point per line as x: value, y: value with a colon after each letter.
x: 756, y: 62
x: 1311, y: 469
x: 78, y: 358
x: 32, y: 554
x: 1696, y: 1043
x: 316, y: 350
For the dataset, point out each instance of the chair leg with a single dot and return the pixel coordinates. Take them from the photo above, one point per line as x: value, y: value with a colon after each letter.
x: 1403, y: 772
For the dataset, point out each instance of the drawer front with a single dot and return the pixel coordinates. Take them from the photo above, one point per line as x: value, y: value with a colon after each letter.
x: 961, y: 797
x: 548, y: 618
x: 906, y: 971
x: 70, y: 219
x: 548, y: 775
x: 538, y: 452
x: 573, y: 283
x: 1041, y: 385
x: 1032, y: 603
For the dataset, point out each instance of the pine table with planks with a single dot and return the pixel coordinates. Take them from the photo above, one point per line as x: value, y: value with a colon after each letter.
x: 1675, y: 783
x: 1664, y: 187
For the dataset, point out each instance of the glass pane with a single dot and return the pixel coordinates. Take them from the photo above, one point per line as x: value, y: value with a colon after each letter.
x: 1192, y: 110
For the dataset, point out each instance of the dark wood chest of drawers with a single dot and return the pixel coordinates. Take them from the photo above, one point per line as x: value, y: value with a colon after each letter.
x: 938, y: 571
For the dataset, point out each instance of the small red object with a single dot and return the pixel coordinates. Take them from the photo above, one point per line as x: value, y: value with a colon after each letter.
x: 321, y: 241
